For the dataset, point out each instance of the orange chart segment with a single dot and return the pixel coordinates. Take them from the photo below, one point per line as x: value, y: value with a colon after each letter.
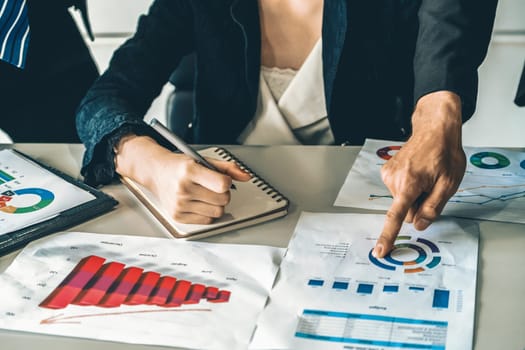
x: 95, y: 283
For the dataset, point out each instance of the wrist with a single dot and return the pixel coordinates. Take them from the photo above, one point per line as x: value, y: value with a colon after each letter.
x: 135, y: 157
x: 438, y: 114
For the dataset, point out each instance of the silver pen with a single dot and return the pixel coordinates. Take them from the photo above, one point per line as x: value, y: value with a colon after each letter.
x: 182, y: 146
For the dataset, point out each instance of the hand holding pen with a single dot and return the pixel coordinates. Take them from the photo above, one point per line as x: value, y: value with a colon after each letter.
x: 187, y: 191
x: 182, y: 146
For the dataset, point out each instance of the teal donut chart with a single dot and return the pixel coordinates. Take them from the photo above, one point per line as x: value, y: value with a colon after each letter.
x: 46, y: 197
x: 477, y: 160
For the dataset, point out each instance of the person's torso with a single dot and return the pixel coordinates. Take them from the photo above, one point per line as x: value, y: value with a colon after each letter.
x: 367, y: 68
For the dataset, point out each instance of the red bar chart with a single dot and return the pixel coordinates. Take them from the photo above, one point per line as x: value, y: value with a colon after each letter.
x: 95, y: 282
x: 122, y: 287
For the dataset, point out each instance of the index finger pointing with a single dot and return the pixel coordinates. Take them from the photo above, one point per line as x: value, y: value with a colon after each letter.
x: 393, y: 222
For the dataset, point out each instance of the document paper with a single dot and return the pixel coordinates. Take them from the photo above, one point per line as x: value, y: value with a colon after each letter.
x: 493, y: 187
x: 139, y: 290
x: 331, y: 292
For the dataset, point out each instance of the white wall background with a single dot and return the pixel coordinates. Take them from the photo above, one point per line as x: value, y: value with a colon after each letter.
x: 497, y: 121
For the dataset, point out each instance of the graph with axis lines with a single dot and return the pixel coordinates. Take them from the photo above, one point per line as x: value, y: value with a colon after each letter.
x: 95, y: 282
x: 493, y: 186
x: 139, y: 290
x: 421, y: 295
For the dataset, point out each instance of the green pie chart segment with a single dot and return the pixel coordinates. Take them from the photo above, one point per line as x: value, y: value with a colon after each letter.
x: 489, y: 160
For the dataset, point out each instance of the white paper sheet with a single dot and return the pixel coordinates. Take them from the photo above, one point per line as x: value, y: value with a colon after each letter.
x: 493, y: 187
x: 34, y: 298
x: 31, y: 194
x: 331, y: 294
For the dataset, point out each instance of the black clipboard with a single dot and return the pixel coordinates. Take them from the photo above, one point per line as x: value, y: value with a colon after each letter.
x: 102, y: 203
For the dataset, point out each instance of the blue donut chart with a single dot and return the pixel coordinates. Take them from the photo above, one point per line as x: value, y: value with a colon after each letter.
x: 422, y: 254
x: 428, y: 256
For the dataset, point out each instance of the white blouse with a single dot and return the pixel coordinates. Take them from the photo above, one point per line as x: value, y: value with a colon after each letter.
x: 4, y: 137
x: 291, y: 106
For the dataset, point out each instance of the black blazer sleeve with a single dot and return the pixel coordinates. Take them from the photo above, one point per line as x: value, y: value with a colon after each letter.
x: 136, y: 74
x: 452, y: 42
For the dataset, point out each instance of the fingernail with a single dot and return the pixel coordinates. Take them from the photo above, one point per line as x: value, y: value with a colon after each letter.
x: 378, y: 251
x: 422, y: 224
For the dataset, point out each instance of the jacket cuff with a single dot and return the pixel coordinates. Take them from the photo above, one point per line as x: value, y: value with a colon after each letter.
x: 466, y: 93
x: 100, y: 170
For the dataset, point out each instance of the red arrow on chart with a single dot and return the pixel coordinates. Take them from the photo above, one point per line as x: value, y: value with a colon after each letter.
x: 75, y: 318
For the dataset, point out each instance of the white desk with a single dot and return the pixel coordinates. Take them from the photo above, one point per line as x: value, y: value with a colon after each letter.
x: 311, y: 177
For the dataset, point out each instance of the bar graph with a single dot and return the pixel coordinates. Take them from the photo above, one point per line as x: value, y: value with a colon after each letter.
x: 95, y: 282
x: 365, y: 288
x: 5, y: 177
x: 340, y: 285
x: 388, y: 288
x: 440, y: 299
x: 122, y: 287
x: 99, y: 284
x: 315, y: 282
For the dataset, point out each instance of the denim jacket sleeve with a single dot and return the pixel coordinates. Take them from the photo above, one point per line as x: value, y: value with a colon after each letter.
x: 452, y: 42
x: 116, y: 103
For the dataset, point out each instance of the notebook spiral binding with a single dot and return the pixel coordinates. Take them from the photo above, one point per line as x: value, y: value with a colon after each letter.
x: 256, y: 179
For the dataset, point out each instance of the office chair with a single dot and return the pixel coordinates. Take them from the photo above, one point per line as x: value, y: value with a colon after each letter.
x: 180, y: 102
x: 520, y: 94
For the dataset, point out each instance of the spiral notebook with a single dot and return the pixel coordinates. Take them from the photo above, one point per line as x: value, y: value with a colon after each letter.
x: 253, y: 202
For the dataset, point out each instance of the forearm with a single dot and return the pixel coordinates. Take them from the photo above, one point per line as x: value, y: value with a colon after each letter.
x: 138, y: 70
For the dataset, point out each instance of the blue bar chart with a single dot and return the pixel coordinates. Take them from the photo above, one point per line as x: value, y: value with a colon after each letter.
x: 340, y: 285
x: 316, y: 282
x: 440, y: 297
x: 365, y: 288
x: 390, y: 288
